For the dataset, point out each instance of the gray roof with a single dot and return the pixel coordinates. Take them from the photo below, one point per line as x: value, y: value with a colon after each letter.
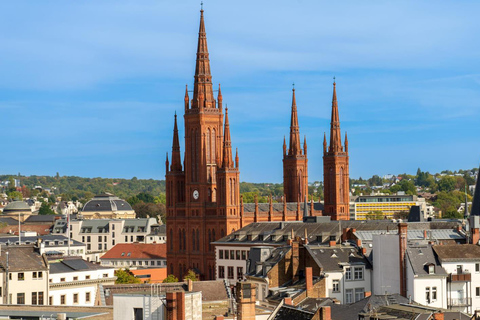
x: 50, y: 240
x: 50, y: 218
x: 22, y: 258
x: 16, y: 206
x: 333, y: 258
x: 419, y: 257
x: 464, y: 252
x: 73, y: 265
x: 435, y: 234
x: 106, y: 202
x: 287, y: 312
x: 267, y: 264
x: 9, y: 221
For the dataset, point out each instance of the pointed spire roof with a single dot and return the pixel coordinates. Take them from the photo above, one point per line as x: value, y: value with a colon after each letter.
x: 294, y: 148
x: 476, y: 199
x: 202, y: 90
x: 176, y: 160
x: 335, y: 135
x: 227, y: 144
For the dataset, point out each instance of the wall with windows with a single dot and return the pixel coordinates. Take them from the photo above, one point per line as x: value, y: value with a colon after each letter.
x: 134, y: 263
x: 231, y: 262
x: 468, y: 292
x: 27, y: 287
x: 78, y: 288
x: 350, y: 285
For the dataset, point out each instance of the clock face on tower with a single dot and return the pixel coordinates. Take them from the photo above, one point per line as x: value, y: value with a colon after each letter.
x: 195, y: 194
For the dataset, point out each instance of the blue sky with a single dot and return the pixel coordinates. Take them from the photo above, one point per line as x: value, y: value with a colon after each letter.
x: 89, y: 88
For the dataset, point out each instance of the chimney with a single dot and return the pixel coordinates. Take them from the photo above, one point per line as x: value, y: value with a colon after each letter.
x: 295, y: 259
x: 325, y: 313
x: 219, y: 317
x: 288, y: 301
x: 171, y: 306
x: 475, y: 235
x: 359, y: 242
x: 438, y: 316
x: 402, y: 234
x: 425, y: 234
x: 368, y: 294
x: 364, y: 251
x: 332, y: 243
x: 309, y: 281
x: 189, y: 285
x: 246, y: 297
x: 180, y: 305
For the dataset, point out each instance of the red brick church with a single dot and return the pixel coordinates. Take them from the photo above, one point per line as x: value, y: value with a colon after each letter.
x: 203, y: 194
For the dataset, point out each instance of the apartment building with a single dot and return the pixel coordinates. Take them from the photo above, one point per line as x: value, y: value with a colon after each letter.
x: 100, y: 235
x: 76, y: 282
x: 23, y: 275
x: 389, y: 205
x: 136, y: 255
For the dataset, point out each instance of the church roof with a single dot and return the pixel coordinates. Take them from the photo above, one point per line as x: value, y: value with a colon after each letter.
x: 106, y: 202
x: 278, y: 207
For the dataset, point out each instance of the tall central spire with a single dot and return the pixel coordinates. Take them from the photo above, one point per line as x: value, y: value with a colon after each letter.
x: 335, y: 135
x: 202, y: 90
x: 294, y: 148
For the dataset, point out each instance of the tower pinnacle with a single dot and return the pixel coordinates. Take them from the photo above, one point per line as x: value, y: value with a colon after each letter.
x: 176, y: 161
x: 294, y: 148
x: 227, y: 144
x: 335, y: 135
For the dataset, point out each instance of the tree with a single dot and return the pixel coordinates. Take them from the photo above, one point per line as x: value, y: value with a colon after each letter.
x: 154, y: 210
x: 374, y: 215
x: 191, y: 275
x: 45, y: 209
x: 447, y: 183
x: 126, y: 276
x: 170, y: 278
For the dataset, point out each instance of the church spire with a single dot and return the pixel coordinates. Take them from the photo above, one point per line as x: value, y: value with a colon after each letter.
x: 335, y: 135
x: 227, y: 144
x: 187, y: 98
x: 202, y: 90
x: 294, y: 148
x: 176, y: 161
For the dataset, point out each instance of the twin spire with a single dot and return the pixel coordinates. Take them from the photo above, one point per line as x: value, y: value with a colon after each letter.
x: 295, y: 148
x: 335, y: 133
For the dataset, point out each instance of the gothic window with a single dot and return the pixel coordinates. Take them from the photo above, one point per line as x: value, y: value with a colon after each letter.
x: 214, y: 138
x: 184, y: 240
x: 198, y: 241
x: 193, y: 153
x: 332, y: 185
x: 222, y: 234
x: 214, y: 195
x: 209, y: 194
x: 180, y: 239
x: 341, y: 184
x: 171, y: 268
x: 209, y: 239
x: 193, y: 239
x: 171, y: 239
x: 208, y: 141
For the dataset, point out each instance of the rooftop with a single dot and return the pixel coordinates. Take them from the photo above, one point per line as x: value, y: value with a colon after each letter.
x: 137, y: 251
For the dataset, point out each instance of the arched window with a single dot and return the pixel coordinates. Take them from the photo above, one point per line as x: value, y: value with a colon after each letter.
x: 184, y: 240
x: 193, y: 153
x: 331, y: 195
x: 213, y: 145
x: 193, y: 239
x: 209, y: 238
x: 208, y: 139
x: 171, y: 239
x: 198, y: 240
x: 171, y: 268
x: 341, y: 184
x: 180, y: 239
x: 222, y: 233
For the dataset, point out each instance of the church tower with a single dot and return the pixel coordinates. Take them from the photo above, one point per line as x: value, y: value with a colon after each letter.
x: 203, y: 196
x: 336, y: 169
x: 295, y: 162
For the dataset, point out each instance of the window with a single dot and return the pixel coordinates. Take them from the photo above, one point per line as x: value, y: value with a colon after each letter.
x: 358, y: 273
x: 138, y: 313
x: 348, y: 295
x: 244, y: 255
x: 99, y: 246
x: 152, y: 263
x: 226, y: 254
x: 336, y: 285
x: 159, y: 263
x: 9, y: 276
x: 232, y: 254
x: 34, y: 275
x: 431, y: 269
x: 140, y: 263
x: 75, y: 278
x: 83, y: 239
x: 237, y: 255
x: 21, y: 298
x: 34, y: 298
x: 239, y: 272
x: 21, y: 277
x: 220, y: 253
x: 62, y: 279
x: 477, y: 291
x: 434, y: 293
x: 105, y: 275
x: 230, y: 272
x: 89, y: 246
x: 359, y: 294
x: 221, y: 272
x: 50, y: 300
x: 62, y: 299
x: 40, y: 298
x: 126, y: 238
x: 87, y: 296
x: 427, y: 294
x: 40, y: 275
x: 430, y: 294
x: 99, y: 238
x: 87, y: 277
x: 88, y: 238
x: 348, y: 273
x: 477, y: 267
x: 75, y: 298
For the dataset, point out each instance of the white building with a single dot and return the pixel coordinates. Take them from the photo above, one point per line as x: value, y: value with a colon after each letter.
x: 51, y: 245
x: 136, y: 255
x: 151, y: 306
x: 75, y: 282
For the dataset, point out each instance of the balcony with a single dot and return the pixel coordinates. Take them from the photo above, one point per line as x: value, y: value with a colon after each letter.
x: 460, y: 277
x: 459, y: 302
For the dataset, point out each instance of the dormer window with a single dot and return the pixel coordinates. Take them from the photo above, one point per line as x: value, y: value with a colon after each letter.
x: 431, y: 269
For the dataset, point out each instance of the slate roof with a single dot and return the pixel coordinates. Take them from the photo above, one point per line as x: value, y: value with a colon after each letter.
x: 42, y: 218
x: 416, y: 234
x: 9, y: 221
x: 287, y: 312
x: 420, y: 256
x: 22, y: 258
x: 50, y: 240
x: 332, y: 258
x: 463, y: 252
x: 277, y: 233
x: 137, y: 251
x: 160, y: 230
x: 15, y: 206
x: 73, y: 265
x: 106, y: 202
x: 214, y: 290
x: 275, y: 257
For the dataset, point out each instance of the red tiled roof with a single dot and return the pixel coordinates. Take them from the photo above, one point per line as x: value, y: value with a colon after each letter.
x: 137, y: 251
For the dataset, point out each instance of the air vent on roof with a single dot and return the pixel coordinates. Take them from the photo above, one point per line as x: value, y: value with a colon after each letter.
x: 351, y: 254
x: 322, y: 251
x: 333, y: 255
